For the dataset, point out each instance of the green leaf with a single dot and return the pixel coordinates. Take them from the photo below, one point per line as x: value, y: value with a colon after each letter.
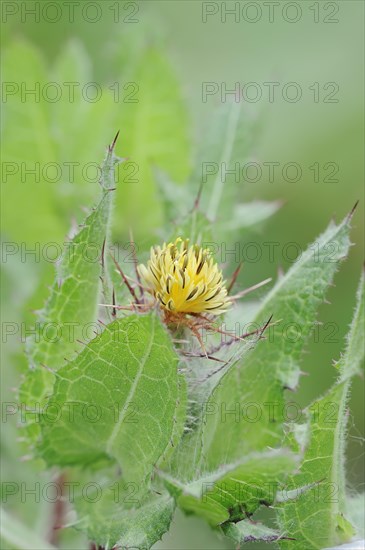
x: 83, y: 125
x: 195, y: 227
x: 317, y: 518
x: 350, y: 362
x: 246, y: 531
x: 203, y: 377
x: 213, y: 186
x: 179, y: 423
x: 247, y: 215
x: 127, y: 379
x: 111, y: 521
x: 154, y: 133
x: 235, y: 490
x: 72, y: 306
x: 25, y: 142
x: 58, y: 140
x: 246, y: 414
x: 224, y: 146
x: 175, y: 197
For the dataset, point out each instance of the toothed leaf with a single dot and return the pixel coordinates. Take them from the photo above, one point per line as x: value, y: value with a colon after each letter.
x: 71, y: 309
x: 317, y: 518
x: 246, y: 412
x: 127, y: 379
x: 234, y: 490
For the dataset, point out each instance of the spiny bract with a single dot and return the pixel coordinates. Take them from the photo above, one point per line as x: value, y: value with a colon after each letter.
x: 185, y: 279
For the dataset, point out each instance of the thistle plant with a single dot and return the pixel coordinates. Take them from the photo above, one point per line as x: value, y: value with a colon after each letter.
x: 140, y: 412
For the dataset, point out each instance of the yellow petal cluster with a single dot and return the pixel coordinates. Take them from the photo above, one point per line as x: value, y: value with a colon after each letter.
x: 185, y: 279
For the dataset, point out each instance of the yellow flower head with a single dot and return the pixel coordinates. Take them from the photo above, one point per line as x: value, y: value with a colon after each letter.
x: 185, y: 279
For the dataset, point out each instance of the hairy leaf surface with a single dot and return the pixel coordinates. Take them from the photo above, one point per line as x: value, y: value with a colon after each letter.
x: 117, y: 399
x: 317, y: 518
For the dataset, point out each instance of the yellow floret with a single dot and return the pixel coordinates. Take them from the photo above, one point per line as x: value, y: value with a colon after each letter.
x: 185, y: 279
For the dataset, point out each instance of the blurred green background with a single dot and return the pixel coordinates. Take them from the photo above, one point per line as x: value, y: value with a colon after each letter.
x: 168, y: 50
